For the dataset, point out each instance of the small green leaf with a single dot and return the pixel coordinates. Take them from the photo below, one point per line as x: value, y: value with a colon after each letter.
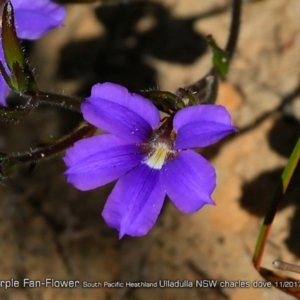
x: 220, y: 57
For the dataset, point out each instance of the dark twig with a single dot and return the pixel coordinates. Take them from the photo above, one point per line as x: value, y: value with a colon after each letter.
x: 234, y: 27
x: 52, y: 149
x: 15, y: 114
x: 64, y: 101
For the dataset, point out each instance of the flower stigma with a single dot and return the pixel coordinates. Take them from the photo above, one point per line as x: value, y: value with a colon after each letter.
x: 160, y: 147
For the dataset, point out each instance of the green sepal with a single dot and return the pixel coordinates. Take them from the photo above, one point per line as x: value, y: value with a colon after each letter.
x: 11, y: 45
x: 19, y: 78
x: 165, y: 101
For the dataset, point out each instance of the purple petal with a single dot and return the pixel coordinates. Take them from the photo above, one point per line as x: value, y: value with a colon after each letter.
x: 135, y: 203
x: 201, y: 125
x: 189, y: 181
x: 4, y: 90
x: 35, y: 18
x: 98, y: 160
x: 120, y: 95
x: 112, y: 108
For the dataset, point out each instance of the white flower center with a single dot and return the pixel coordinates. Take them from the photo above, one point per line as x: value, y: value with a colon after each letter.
x: 158, y: 155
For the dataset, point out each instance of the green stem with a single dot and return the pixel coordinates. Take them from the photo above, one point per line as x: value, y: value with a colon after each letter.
x: 279, y: 193
x: 14, y: 114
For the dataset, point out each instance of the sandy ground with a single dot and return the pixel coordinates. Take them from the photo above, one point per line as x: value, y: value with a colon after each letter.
x: 48, y: 229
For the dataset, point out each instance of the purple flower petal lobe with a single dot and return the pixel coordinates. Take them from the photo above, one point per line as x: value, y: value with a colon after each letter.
x: 189, y: 181
x: 135, y: 203
x: 98, y: 160
x: 120, y: 95
x: 201, y: 125
x: 35, y: 18
x: 4, y: 90
x: 112, y: 108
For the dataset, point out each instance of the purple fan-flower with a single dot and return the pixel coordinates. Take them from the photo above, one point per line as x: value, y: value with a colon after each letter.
x: 33, y: 19
x: 149, y: 160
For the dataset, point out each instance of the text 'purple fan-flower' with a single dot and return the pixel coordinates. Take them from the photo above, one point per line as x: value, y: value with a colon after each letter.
x: 149, y: 159
x: 33, y: 19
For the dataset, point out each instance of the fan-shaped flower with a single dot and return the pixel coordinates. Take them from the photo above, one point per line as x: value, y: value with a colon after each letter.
x: 149, y: 160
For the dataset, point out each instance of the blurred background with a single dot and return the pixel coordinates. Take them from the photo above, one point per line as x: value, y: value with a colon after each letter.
x: 48, y: 229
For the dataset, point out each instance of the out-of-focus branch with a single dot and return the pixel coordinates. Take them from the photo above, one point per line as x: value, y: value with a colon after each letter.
x: 205, y: 89
x: 234, y: 27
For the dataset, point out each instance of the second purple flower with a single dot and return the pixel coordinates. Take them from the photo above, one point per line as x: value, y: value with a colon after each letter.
x: 33, y: 19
